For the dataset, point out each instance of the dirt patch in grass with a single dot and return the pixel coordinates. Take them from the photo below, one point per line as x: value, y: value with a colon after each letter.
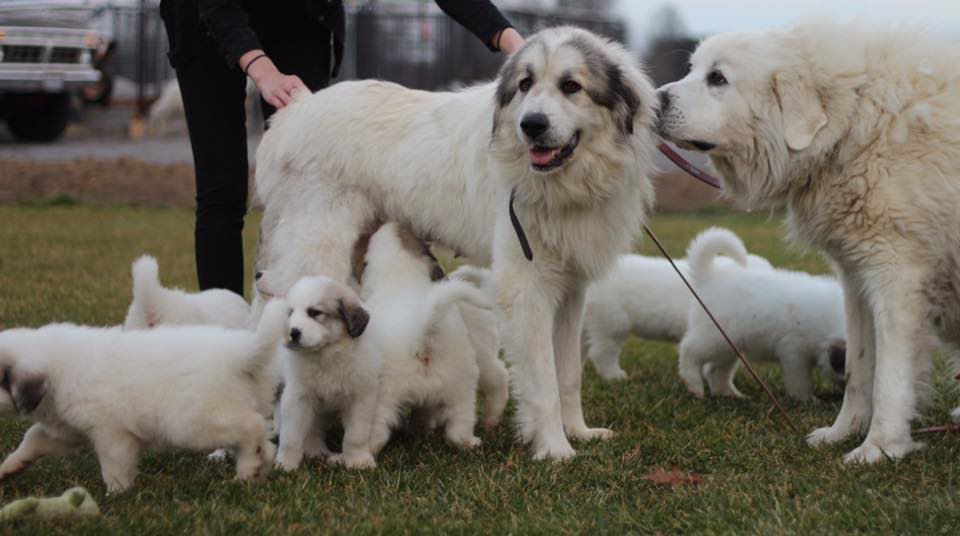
x: 132, y: 181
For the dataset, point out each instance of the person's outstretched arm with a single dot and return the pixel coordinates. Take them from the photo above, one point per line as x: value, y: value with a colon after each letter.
x: 485, y: 21
x: 229, y: 24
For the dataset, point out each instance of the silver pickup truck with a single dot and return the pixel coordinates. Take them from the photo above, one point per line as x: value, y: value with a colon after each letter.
x: 41, y: 64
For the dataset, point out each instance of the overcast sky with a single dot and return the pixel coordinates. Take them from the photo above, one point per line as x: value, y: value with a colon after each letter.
x: 705, y: 17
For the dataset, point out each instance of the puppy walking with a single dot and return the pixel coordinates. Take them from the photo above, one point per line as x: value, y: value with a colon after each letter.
x: 772, y: 315
x: 190, y: 387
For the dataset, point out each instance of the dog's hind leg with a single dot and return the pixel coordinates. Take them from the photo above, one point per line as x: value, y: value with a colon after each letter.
x: 603, y: 350
x: 297, y: 416
x: 694, y: 351
x: 253, y: 448
x: 797, y: 376
x: 566, y: 344
x: 857, y: 406
x: 37, y: 443
x: 117, y: 452
x: 720, y: 374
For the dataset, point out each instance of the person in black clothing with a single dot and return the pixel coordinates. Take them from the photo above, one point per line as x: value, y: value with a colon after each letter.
x: 284, y: 46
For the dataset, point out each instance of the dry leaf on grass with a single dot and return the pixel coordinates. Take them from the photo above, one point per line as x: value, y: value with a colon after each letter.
x: 675, y: 477
x: 633, y: 455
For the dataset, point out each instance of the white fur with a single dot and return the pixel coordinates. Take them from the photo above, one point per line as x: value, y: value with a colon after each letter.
x: 187, y: 387
x: 333, y: 162
x: 155, y: 305
x: 771, y: 314
x: 855, y: 130
x: 643, y: 297
x: 428, y: 357
x: 329, y: 375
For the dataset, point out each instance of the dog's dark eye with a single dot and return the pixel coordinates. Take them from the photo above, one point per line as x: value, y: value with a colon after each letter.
x: 716, y: 78
x: 570, y: 87
x: 525, y: 84
x: 314, y: 313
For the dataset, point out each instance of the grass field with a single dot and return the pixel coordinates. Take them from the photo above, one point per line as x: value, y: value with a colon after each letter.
x: 72, y: 263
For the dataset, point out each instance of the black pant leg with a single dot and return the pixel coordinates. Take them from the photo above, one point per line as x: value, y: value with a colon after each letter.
x: 213, y: 99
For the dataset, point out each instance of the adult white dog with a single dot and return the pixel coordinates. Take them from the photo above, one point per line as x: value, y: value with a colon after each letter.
x: 567, y: 127
x: 644, y: 297
x: 855, y: 130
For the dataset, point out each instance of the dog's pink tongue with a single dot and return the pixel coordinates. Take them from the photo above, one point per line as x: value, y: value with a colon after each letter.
x: 542, y: 157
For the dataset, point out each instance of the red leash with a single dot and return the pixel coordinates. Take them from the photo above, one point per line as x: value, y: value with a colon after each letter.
x: 687, y: 166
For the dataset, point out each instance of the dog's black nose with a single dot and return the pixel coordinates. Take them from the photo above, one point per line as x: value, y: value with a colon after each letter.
x: 295, y: 335
x: 533, y: 125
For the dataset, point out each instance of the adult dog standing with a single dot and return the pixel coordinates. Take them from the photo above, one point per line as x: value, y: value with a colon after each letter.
x: 856, y: 131
x: 567, y: 127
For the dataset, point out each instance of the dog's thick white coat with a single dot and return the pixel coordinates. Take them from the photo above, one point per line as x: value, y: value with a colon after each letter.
x: 772, y: 315
x: 155, y: 305
x: 195, y: 387
x: 855, y: 130
x: 445, y: 163
x: 644, y: 297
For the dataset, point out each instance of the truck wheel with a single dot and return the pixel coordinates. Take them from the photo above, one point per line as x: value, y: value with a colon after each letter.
x: 40, y: 117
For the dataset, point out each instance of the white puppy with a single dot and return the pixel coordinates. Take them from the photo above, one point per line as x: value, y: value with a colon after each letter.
x: 772, y: 315
x: 854, y: 129
x: 195, y: 387
x: 331, y: 372
x: 428, y: 358
x: 643, y: 297
x: 154, y: 305
x: 564, y: 137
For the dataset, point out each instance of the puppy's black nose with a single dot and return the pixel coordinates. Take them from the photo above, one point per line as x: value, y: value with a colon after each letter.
x: 295, y: 335
x: 534, y: 125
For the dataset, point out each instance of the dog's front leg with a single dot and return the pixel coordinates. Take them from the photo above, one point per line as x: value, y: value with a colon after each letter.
x: 566, y: 345
x: 857, y: 406
x: 296, y: 416
x: 900, y: 310
x: 357, y: 426
x: 117, y: 452
x: 38, y: 442
x: 528, y: 305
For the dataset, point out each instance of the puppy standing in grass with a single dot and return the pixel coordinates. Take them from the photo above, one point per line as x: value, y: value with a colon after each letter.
x: 643, y: 297
x: 855, y: 131
x: 791, y: 317
x: 429, y: 360
x: 154, y: 305
x: 186, y: 387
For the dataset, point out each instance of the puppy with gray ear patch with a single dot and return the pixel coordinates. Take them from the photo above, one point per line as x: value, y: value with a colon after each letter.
x: 428, y: 358
x: 155, y: 305
x: 330, y: 372
x: 194, y: 387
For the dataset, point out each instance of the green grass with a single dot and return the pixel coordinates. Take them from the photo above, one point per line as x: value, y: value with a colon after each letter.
x: 72, y: 263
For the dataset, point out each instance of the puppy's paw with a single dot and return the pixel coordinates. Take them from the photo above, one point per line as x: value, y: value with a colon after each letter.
x: 827, y: 435
x: 613, y: 375
x: 591, y: 434
x: 559, y: 452
x: 468, y: 442
x: 287, y: 460
x: 870, y: 452
x: 354, y: 461
x: 218, y: 456
x: 12, y: 468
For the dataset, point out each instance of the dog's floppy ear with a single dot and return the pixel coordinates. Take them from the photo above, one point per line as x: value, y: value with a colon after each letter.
x: 351, y: 311
x: 622, y: 97
x: 838, y: 357
x: 801, y: 108
x: 26, y: 389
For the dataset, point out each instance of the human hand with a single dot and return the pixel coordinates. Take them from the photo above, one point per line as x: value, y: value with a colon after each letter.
x: 275, y: 87
x: 509, y: 41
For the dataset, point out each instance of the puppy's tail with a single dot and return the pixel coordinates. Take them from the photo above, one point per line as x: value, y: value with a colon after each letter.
x: 146, y: 279
x: 710, y: 243
x: 273, y: 324
x: 478, y: 277
x: 448, y: 293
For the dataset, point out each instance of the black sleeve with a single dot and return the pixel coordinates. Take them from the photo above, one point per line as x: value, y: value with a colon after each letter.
x: 229, y: 24
x: 481, y: 17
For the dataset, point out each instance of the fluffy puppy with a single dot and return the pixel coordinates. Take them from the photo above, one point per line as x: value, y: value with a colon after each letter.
x: 772, y: 315
x: 483, y: 330
x: 643, y: 297
x: 330, y: 373
x: 428, y: 358
x: 852, y: 128
x: 195, y: 387
x: 154, y: 305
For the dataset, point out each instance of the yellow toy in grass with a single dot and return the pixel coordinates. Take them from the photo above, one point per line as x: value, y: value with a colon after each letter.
x: 74, y: 502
